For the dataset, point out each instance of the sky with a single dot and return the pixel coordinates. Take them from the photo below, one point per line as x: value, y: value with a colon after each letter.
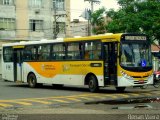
x: 78, y: 6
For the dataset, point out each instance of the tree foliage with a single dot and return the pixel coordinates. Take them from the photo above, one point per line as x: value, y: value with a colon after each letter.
x: 97, y: 21
x: 136, y: 16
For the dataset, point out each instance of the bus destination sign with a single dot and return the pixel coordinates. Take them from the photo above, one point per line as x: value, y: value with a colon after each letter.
x: 135, y: 38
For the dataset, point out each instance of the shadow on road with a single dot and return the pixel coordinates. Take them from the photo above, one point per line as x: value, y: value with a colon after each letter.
x: 108, y: 90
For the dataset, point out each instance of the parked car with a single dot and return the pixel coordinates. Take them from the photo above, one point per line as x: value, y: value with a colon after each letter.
x: 156, y: 75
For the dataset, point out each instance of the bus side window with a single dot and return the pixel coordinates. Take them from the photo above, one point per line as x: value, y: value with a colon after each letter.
x: 30, y: 53
x: 8, y: 54
x: 58, y: 52
x: 27, y: 54
x: 44, y: 52
x: 86, y: 56
x: 92, y: 50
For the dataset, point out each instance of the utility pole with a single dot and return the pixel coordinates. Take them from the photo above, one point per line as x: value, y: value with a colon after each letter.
x: 55, y: 21
x: 92, y: 9
x: 56, y: 16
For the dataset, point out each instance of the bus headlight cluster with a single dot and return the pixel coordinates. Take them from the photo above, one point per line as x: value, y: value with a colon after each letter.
x: 126, y: 76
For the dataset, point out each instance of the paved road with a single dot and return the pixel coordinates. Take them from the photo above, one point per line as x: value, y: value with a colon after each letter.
x: 13, y: 94
x: 18, y: 99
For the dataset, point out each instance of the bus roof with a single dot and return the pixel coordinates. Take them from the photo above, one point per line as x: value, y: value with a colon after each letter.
x: 95, y: 37
x: 115, y: 37
x: 34, y: 42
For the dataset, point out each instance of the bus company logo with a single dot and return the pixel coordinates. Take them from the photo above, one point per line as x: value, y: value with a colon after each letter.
x: 66, y: 67
x: 47, y: 67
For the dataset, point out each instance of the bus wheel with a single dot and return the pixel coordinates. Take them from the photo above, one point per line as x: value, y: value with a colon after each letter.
x: 93, y: 84
x: 32, y: 81
x: 120, y: 89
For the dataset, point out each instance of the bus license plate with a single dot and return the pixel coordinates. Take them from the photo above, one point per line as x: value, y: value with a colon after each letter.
x: 141, y: 81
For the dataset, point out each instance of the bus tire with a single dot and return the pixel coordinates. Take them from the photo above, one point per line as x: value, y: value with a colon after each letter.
x: 32, y: 81
x: 120, y: 89
x: 93, y: 84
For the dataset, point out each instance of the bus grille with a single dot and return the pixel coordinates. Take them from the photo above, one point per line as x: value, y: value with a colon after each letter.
x: 140, y: 81
x: 139, y: 76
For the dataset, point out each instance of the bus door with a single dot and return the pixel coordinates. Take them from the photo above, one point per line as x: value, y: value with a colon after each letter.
x: 110, y: 63
x: 17, y: 64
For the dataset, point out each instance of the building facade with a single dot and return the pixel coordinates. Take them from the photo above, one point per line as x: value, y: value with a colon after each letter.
x: 79, y: 28
x: 34, y: 19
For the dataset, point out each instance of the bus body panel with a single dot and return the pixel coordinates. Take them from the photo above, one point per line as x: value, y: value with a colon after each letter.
x: 124, y: 81
x: 71, y: 73
x: 8, y: 71
x: 128, y: 78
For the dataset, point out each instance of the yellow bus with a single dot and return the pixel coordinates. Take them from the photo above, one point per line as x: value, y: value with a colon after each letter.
x: 119, y: 60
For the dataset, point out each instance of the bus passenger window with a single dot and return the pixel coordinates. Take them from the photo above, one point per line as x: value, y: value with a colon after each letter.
x: 86, y: 55
x: 44, y: 52
x: 58, y: 52
x: 92, y: 50
x: 73, y: 51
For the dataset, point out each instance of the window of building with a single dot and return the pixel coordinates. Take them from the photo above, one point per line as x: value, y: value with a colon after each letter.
x: 59, y: 4
x: 35, y: 3
x: 7, y: 23
x: 6, y: 2
x: 58, y: 52
x: 8, y: 54
x: 36, y: 25
x: 44, y: 52
x: 74, y: 51
x: 92, y: 50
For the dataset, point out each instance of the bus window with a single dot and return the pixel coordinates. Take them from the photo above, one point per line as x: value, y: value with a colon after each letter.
x: 30, y: 53
x: 8, y: 54
x: 73, y: 51
x: 43, y: 52
x: 93, y: 50
x: 58, y: 52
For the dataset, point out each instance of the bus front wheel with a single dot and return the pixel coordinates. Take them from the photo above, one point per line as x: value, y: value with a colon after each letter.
x: 93, y: 84
x: 32, y: 81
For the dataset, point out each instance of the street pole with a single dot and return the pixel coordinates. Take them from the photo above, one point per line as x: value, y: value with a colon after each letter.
x: 55, y: 21
x: 56, y: 17
x: 92, y: 10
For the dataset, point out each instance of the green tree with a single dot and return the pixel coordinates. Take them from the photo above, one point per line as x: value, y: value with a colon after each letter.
x: 98, y: 21
x: 140, y: 16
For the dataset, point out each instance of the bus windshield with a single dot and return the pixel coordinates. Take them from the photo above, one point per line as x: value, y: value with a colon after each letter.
x: 135, y: 55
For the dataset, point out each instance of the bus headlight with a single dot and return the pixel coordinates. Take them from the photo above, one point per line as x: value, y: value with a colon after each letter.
x: 126, y: 76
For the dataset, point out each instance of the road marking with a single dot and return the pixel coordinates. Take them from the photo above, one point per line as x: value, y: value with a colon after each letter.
x: 100, y: 97
x: 134, y: 94
x: 148, y: 94
x: 21, y: 103
x: 86, y: 98
x: 15, y: 101
x: 38, y: 101
x: 5, y: 105
x: 112, y: 96
x: 71, y: 98
x: 74, y: 99
x: 57, y: 100
x: 123, y: 95
x: 156, y: 92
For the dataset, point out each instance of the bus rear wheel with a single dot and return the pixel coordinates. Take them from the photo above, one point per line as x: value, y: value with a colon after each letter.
x: 32, y: 81
x: 93, y: 84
